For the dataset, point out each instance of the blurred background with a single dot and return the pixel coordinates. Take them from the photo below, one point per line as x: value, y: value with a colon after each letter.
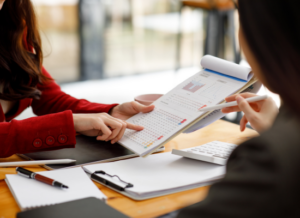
x: 113, y: 50
x: 116, y: 37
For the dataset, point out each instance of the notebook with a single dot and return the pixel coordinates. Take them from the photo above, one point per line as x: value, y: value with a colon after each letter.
x: 30, y: 193
x: 83, y: 208
x: 178, y: 110
x: 88, y: 150
x: 156, y: 175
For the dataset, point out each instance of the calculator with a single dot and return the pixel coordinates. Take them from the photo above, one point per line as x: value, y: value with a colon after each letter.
x: 213, y: 152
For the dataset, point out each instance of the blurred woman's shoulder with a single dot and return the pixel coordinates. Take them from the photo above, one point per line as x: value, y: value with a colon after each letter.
x: 278, y: 147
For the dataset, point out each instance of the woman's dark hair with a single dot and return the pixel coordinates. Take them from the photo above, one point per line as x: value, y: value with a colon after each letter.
x: 272, y: 31
x: 21, y: 56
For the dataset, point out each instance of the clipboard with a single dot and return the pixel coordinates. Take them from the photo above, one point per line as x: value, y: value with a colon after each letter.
x: 122, y: 190
x: 142, y: 179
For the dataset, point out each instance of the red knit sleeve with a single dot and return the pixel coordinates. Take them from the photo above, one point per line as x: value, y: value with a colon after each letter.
x: 53, y: 128
x: 53, y: 100
x: 48, y: 132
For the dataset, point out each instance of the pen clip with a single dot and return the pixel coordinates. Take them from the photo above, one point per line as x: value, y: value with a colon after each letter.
x: 22, y: 174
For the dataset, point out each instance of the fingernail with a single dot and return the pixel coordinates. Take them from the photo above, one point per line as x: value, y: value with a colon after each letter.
x: 243, y: 128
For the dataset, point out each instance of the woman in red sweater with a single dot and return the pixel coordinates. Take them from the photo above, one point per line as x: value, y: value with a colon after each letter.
x: 24, y: 83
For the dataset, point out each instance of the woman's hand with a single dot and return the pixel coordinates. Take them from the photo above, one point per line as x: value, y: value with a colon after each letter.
x: 128, y: 109
x: 102, y: 125
x: 110, y: 127
x: 260, y: 114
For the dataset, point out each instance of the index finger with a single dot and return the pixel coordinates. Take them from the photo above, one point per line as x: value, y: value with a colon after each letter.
x: 134, y: 127
x: 244, y: 95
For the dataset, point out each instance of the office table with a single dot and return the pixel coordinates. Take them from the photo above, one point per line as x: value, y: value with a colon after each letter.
x: 219, y: 130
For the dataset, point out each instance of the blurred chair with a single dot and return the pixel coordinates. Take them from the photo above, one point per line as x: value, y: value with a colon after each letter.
x: 219, y: 22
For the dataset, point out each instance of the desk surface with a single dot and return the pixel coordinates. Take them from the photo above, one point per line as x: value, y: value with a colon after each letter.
x: 220, y: 130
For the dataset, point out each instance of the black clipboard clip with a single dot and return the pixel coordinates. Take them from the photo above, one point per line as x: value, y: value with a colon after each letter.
x: 109, y: 183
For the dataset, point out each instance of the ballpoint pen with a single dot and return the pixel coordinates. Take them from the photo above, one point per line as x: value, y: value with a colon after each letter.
x: 234, y: 103
x: 32, y: 175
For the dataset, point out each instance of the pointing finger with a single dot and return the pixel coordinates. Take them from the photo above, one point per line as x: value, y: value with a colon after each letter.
x: 134, y: 127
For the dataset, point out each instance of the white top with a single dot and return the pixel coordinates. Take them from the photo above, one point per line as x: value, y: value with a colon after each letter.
x: 6, y: 105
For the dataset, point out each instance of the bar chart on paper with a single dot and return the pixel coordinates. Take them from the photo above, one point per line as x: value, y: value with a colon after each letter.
x: 157, y: 125
x: 193, y: 86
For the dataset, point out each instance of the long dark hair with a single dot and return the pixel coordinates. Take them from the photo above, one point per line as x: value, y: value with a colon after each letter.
x: 272, y: 31
x: 21, y: 56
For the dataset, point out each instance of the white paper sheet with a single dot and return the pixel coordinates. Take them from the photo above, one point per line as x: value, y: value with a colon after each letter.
x: 30, y: 193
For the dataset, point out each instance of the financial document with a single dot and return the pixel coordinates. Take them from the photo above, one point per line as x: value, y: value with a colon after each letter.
x: 179, y: 108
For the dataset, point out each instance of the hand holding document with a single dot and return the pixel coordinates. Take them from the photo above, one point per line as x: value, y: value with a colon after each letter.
x: 218, y: 114
x: 178, y: 110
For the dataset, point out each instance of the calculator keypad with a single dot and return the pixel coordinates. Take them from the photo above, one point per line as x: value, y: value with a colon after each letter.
x: 215, y: 148
x: 214, y: 152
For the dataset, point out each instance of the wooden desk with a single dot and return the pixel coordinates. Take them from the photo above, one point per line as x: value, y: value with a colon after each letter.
x: 209, y: 4
x: 220, y: 130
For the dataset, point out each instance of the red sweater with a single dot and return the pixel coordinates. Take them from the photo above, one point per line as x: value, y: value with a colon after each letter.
x: 53, y: 128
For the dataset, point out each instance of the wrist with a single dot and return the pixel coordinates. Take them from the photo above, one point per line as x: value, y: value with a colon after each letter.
x: 75, y: 119
x: 111, y: 111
